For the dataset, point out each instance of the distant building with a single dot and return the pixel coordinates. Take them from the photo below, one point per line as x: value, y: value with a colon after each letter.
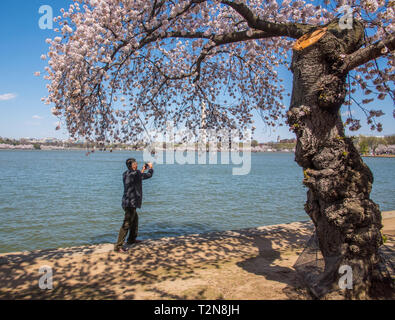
x: 50, y: 140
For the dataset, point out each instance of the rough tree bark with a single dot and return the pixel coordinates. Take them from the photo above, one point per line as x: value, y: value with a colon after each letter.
x: 347, y: 221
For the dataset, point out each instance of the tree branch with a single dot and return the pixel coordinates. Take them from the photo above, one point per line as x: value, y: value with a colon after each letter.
x: 363, y: 55
x: 218, y: 40
x: 226, y: 38
x: 292, y: 30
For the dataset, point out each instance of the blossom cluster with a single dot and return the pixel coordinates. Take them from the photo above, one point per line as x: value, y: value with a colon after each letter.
x: 119, y: 66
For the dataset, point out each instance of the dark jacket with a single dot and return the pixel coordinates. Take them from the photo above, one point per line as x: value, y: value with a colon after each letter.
x: 132, y: 187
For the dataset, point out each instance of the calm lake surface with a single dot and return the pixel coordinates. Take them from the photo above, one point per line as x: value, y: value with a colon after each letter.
x: 51, y: 199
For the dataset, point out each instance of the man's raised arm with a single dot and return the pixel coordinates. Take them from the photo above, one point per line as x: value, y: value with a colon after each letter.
x: 149, y: 173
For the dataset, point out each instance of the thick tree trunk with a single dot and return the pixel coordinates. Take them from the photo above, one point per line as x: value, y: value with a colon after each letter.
x: 347, y: 221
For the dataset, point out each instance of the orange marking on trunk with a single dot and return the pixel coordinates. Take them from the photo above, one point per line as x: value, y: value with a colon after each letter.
x: 309, y: 39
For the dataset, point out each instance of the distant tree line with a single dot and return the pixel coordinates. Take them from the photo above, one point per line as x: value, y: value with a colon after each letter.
x: 367, y: 144
x: 9, y: 141
x: 68, y: 144
x: 364, y: 144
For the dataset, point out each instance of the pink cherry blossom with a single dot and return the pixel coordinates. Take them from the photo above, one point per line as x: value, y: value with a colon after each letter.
x: 168, y: 57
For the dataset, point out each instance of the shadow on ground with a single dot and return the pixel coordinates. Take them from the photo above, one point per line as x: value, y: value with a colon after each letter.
x: 96, y: 272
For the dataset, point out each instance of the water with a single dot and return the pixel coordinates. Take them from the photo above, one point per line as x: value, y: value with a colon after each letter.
x: 51, y: 199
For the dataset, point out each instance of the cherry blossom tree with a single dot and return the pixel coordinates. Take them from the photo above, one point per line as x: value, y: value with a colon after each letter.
x: 119, y: 65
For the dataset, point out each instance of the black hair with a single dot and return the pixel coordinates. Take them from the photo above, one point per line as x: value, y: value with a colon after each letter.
x: 129, y: 162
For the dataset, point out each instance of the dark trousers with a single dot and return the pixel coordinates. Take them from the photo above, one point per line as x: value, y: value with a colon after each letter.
x: 130, y: 224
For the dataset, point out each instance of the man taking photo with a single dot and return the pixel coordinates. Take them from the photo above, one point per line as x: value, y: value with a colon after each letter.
x: 132, y: 198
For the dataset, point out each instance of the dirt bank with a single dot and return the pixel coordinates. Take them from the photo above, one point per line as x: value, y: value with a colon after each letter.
x: 244, y: 264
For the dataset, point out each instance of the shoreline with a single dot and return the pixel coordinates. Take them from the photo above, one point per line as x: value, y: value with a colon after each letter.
x: 200, y: 266
x: 132, y: 150
x: 380, y: 156
x: 164, y: 150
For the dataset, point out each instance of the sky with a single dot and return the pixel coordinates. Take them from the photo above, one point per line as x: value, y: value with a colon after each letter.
x: 24, y: 115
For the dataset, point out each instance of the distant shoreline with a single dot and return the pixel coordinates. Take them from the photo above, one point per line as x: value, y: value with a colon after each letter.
x: 164, y: 150
x: 139, y: 150
x: 380, y: 156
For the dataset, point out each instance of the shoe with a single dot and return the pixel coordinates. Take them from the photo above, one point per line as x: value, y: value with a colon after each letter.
x: 121, y: 250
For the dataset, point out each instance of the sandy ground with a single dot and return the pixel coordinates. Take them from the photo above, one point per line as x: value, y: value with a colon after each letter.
x: 244, y: 264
